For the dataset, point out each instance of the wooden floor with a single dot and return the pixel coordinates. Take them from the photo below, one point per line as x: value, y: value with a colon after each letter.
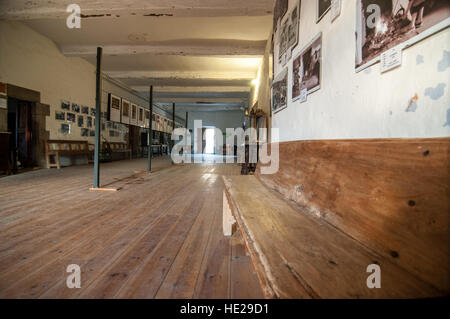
x: 160, y: 236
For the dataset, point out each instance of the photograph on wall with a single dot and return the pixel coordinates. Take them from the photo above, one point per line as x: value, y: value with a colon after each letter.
x: 114, y: 104
x: 65, y: 129
x: 92, y: 111
x: 85, y: 110
x: 141, y: 116
x: 85, y: 132
x: 400, y: 23
x: 306, y: 68
x: 280, y: 9
x: 65, y: 105
x: 294, y: 25
x: 88, y: 121
x: 279, y: 91
x: 147, y: 119
x: 60, y: 116
x: 125, y: 111
x: 80, y: 121
x: 323, y: 6
x: 70, y: 117
x: 91, y: 133
x: 75, y: 108
x: 134, y: 111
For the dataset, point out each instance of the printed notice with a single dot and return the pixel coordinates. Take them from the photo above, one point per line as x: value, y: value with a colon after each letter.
x: 391, y: 59
x: 303, y: 95
x: 3, y: 103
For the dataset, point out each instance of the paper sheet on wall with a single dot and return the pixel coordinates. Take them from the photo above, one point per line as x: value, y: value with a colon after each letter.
x: 335, y: 9
x: 391, y: 59
x: 303, y: 95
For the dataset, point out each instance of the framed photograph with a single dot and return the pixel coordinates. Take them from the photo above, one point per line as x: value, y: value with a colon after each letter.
x: 88, y: 121
x: 323, y: 6
x: 401, y: 23
x: 71, y: 117
x: 141, y: 121
x: 75, y: 108
x: 85, y: 110
x: 134, y: 114
x: 60, y: 116
x: 65, y: 105
x: 293, y: 29
x: 85, y: 132
x: 112, y: 133
x: 279, y: 11
x: 147, y: 118
x: 93, y: 111
x: 306, y: 68
x: 80, y: 121
x: 65, y: 129
x: 125, y: 111
x: 114, y: 107
x: 92, y: 133
x: 279, y: 91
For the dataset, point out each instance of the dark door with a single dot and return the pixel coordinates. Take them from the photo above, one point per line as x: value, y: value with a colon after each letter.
x: 24, y: 134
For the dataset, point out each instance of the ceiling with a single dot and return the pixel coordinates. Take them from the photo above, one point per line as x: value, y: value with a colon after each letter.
x: 191, y: 51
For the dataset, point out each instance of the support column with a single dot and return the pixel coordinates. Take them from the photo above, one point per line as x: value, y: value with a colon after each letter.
x: 150, y: 133
x: 98, y: 107
x: 173, y: 127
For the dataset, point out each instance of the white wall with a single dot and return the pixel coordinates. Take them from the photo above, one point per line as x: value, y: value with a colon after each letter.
x: 366, y: 104
x: 30, y: 60
x: 219, y: 119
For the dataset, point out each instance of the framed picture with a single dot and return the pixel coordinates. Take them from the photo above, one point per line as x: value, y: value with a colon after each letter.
x: 85, y: 132
x: 306, y: 68
x: 75, y: 108
x: 80, y: 121
x: 60, y: 116
x: 147, y: 118
x: 323, y: 6
x: 141, y: 121
x: 65, y: 129
x: 71, y: 117
x: 114, y: 105
x: 279, y: 11
x: 134, y: 114
x: 401, y: 23
x: 93, y: 111
x: 92, y: 133
x: 85, y: 110
x: 293, y: 28
x: 65, y: 105
x: 125, y: 111
x: 279, y: 91
x: 88, y: 121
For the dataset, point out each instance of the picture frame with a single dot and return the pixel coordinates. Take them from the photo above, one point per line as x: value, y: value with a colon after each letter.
x: 323, y: 7
x: 125, y: 111
x: 65, y: 105
x: 76, y: 108
x: 397, y: 28
x: 70, y: 117
x: 134, y: 114
x: 307, y: 68
x: 60, y: 116
x: 80, y: 120
x: 114, y: 107
x: 280, y: 91
x: 85, y: 110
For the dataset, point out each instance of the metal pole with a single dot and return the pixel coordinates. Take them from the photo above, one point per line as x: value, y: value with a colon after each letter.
x: 173, y: 126
x: 187, y: 117
x: 98, y: 107
x: 150, y: 132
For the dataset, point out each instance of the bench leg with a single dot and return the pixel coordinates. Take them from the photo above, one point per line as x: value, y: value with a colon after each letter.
x: 47, y: 158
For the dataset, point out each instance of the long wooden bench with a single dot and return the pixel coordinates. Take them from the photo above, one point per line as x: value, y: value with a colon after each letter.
x: 58, y: 148
x: 336, y: 207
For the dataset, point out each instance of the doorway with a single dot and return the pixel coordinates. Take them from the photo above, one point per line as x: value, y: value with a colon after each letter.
x: 20, y: 126
x: 210, y: 137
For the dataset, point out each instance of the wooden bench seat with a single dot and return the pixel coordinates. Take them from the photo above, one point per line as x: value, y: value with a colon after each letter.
x: 118, y: 147
x: 298, y: 255
x: 58, y: 148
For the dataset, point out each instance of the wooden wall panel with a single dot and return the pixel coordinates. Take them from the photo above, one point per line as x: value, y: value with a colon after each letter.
x: 392, y: 195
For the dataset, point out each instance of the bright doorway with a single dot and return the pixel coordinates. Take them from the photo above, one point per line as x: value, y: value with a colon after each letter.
x: 210, y: 135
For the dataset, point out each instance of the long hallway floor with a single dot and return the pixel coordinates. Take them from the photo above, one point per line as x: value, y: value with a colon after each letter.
x: 159, y: 236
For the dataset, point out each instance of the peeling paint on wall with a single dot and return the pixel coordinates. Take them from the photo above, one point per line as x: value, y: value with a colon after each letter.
x: 419, y: 59
x: 437, y: 92
x: 412, y: 106
x: 445, y: 62
x: 448, y: 118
